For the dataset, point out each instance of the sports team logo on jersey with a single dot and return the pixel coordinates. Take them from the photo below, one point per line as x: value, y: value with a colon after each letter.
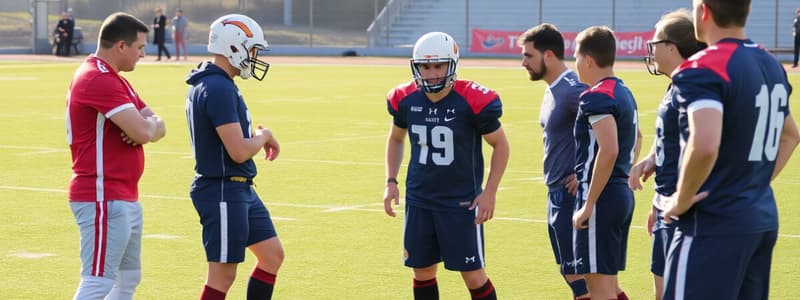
x: 241, y: 26
x: 450, y: 114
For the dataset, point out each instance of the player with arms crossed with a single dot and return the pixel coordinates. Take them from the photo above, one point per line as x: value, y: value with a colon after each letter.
x: 543, y: 58
x: 733, y: 102
x: 446, y: 120
x: 223, y: 144
x: 673, y: 42
x: 107, y: 123
x: 607, y: 143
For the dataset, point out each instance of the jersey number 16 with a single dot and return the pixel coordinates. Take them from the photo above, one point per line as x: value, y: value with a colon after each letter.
x: 770, y: 119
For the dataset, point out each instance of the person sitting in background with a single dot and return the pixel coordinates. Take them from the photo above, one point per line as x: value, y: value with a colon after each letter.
x: 64, y: 31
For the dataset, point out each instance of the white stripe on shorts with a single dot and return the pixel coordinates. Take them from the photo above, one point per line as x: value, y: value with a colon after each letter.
x: 223, y: 231
x: 593, y: 240
x: 479, y: 239
x: 683, y: 258
x: 403, y: 239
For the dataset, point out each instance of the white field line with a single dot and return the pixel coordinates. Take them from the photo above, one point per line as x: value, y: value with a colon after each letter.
x: 6, y: 78
x: 325, y: 208
x: 188, y: 155
x: 38, y: 150
x: 341, y: 139
x: 29, y: 255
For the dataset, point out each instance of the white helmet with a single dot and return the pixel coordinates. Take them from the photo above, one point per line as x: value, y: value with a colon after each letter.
x: 435, y: 47
x: 239, y: 39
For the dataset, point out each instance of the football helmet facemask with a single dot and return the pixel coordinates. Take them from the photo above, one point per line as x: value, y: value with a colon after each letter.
x: 435, y: 47
x: 239, y: 38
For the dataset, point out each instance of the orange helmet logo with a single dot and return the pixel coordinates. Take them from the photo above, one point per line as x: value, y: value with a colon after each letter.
x: 455, y: 48
x: 241, y: 26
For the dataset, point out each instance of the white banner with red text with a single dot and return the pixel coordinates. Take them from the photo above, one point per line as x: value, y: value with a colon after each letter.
x: 629, y: 44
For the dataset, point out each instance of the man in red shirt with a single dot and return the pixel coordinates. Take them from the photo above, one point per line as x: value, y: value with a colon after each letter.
x: 107, y: 123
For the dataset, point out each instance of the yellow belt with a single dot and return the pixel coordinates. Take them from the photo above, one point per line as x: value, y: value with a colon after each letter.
x: 239, y: 179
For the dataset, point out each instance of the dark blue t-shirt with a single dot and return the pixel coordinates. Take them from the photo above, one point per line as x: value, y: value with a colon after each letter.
x: 557, y: 118
x: 608, y: 97
x: 750, y: 87
x: 213, y: 100
x: 445, y: 169
x: 668, y: 146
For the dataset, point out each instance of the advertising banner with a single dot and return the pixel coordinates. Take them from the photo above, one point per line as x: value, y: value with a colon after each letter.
x: 629, y: 44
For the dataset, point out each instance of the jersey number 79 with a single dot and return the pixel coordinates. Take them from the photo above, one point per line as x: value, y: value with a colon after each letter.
x: 441, y: 142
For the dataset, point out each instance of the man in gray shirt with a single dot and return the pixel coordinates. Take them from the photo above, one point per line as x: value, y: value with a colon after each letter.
x: 179, y: 26
x: 543, y: 58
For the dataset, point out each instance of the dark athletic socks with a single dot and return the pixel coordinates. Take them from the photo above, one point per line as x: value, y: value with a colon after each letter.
x: 260, y: 285
x: 426, y: 289
x: 485, y: 292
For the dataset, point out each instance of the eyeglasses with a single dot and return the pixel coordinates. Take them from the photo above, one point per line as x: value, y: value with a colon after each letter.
x: 651, y: 45
x: 650, y: 60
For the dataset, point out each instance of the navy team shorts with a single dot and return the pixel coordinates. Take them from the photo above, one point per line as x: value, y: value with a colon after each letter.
x: 433, y: 236
x: 733, y: 266
x: 233, y: 218
x: 662, y: 237
x: 602, y: 247
x: 560, y: 206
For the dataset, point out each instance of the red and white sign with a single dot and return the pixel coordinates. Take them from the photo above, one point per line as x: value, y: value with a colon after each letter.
x: 629, y: 44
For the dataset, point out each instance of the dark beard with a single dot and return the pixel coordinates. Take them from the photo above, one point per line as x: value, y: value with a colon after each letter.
x: 538, y: 76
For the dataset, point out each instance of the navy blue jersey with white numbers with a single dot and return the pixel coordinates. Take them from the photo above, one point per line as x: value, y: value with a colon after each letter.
x: 610, y: 97
x: 445, y: 169
x: 213, y: 100
x: 668, y: 146
x: 557, y: 118
x: 750, y: 87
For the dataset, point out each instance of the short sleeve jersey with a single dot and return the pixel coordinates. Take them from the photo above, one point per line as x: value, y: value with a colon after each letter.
x: 750, y: 87
x: 557, y: 118
x: 610, y: 97
x: 445, y: 169
x: 668, y: 146
x: 104, y: 167
x: 214, y: 100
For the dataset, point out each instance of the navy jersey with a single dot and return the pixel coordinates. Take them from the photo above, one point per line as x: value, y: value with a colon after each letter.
x: 751, y: 89
x: 609, y: 96
x: 557, y: 117
x: 445, y: 169
x: 668, y: 146
x: 214, y: 100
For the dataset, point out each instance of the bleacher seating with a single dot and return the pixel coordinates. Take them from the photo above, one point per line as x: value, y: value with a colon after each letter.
x: 421, y: 16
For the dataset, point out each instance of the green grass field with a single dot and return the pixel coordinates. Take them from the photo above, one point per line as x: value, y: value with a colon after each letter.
x: 324, y: 191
